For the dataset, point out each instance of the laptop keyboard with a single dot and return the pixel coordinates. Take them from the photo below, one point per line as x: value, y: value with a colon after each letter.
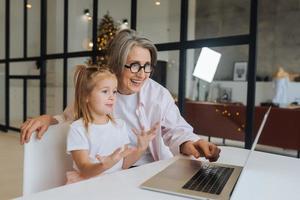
x: 209, y: 179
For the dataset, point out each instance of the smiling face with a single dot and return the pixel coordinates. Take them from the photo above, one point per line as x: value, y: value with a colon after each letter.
x: 129, y: 82
x: 102, y: 99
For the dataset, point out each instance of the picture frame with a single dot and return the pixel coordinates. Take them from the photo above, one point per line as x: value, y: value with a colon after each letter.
x: 240, y: 71
x: 225, y: 94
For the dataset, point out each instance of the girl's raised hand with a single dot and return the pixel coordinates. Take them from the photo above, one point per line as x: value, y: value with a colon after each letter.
x: 144, y: 137
x: 116, y: 156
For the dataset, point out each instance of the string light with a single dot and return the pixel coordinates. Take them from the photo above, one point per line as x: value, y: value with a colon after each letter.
x: 125, y: 21
x: 157, y: 3
x: 87, y: 12
x: 235, y: 117
x: 28, y: 5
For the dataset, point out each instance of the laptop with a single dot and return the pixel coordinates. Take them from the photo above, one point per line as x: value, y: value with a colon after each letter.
x: 199, y: 179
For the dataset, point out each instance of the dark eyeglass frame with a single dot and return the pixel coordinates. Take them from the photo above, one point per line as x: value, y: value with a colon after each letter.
x: 130, y: 66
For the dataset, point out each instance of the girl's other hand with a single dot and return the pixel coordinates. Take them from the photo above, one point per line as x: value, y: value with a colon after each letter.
x: 116, y: 156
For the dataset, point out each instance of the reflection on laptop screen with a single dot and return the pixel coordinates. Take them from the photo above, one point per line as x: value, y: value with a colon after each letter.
x: 207, y: 64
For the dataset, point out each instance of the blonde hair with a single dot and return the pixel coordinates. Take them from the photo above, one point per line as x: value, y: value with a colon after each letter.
x: 85, y: 79
x: 120, y: 46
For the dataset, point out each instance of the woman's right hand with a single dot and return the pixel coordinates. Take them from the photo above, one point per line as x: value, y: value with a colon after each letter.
x: 39, y: 124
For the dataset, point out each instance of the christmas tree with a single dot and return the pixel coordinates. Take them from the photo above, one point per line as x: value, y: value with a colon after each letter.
x: 106, y: 31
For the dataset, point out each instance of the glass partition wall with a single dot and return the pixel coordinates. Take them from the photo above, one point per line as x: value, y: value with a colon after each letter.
x: 223, y: 101
x: 2, y: 96
x: 42, y: 41
x: 278, y: 75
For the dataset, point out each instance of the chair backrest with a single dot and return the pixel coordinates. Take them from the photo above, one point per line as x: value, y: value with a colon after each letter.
x: 46, y: 160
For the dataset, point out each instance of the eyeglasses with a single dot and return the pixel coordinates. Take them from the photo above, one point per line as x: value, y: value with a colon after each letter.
x: 136, y: 67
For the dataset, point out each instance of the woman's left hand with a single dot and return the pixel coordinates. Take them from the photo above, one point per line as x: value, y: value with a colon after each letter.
x: 201, y: 148
x: 144, y: 137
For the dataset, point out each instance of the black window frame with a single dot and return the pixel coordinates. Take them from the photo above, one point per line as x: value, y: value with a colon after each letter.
x: 182, y: 46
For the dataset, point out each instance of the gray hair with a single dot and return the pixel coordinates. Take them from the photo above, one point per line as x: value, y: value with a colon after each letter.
x: 122, y: 44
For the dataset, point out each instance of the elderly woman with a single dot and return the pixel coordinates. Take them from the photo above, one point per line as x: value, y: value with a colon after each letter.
x: 141, y: 102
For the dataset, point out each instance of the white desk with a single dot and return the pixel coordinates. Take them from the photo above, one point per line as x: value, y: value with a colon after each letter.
x: 267, y: 176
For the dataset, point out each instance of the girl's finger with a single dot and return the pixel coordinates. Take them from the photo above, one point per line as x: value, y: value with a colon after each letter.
x: 101, y: 159
x: 152, y: 134
x: 117, y: 151
x: 155, y: 127
x: 135, y: 131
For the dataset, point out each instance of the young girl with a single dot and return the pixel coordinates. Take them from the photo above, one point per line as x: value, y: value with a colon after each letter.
x: 97, y: 141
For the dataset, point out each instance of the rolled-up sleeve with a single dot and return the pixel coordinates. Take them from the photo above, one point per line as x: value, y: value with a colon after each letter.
x: 175, y: 130
x: 67, y: 115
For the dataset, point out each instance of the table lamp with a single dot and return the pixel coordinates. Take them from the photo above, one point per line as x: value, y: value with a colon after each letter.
x: 207, y: 64
x: 205, y: 70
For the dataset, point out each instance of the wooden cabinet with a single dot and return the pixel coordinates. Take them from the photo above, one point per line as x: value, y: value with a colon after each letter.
x: 282, y: 128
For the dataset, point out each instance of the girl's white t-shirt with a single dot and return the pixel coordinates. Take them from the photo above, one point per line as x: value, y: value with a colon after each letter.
x: 125, y: 109
x: 101, y: 139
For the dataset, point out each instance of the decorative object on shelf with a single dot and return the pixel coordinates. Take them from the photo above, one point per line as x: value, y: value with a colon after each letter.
x: 297, y: 79
x: 213, y: 92
x: 106, y: 31
x: 240, y: 71
x: 281, y: 80
x: 224, y: 94
x: 281, y: 73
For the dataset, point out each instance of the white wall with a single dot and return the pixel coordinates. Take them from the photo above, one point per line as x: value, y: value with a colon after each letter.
x: 190, y: 82
x: 117, y: 9
x: 2, y: 29
x: 2, y: 97
x: 265, y: 91
x: 16, y: 28
x: 34, y: 22
x: 55, y: 26
x: 79, y: 25
x: 161, y: 24
x: 153, y: 21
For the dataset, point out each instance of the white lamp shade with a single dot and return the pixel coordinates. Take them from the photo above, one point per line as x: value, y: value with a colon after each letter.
x: 207, y: 64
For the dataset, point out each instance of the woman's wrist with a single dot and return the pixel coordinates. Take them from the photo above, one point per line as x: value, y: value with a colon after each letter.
x: 49, y: 119
x: 183, y: 147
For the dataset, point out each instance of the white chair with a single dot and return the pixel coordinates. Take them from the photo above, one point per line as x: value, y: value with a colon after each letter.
x: 46, y: 160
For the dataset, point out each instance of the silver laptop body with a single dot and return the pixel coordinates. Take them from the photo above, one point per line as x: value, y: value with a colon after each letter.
x: 180, y: 176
